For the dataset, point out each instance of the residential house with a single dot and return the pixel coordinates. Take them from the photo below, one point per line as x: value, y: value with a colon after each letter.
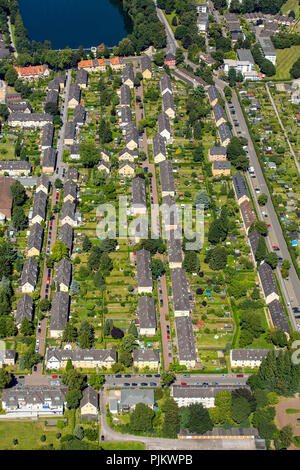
x: 29, y: 275
x: 116, y: 64
x: 219, y: 114
x: 185, y: 339
x: 267, y: 49
x: 221, y: 168
x: 225, y: 134
x: 32, y: 72
x: 67, y: 215
x: 213, y: 95
x: 139, y: 200
x: 81, y: 358
x: 131, y: 397
x: 144, y: 274
x: 125, y: 116
x: 70, y: 133
x: 268, y: 282
x: 66, y: 236
x: 131, y: 136
x: 34, y: 400
x: 52, y: 97
x: 169, y: 214
x: 72, y: 174
x: 92, y: 65
x: 170, y: 60
x: 23, y: 107
x: 59, y: 314
x: 6, y: 199
x: 15, y: 167
x: 185, y: 396
x: 25, y: 307
x: 105, y: 155
x: 174, y: 249
x: 126, y: 169
x: 165, y: 84
x: 74, y: 96
x: 254, y: 238
x: 63, y: 274
x: 35, y: 240
x: 82, y: 78
x: 240, y: 188
x: 168, y: 105
x: 7, y: 357
x: 70, y: 191
x: 217, y: 154
x: 128, y: 76
x: 75, y: 152
x: 49, y: 160
x: 159, y: 148
x: 180, y: 293
x: 125, y: 95
x: 47, y: 136
x: 202, y: 22
x: 103, y: 166
x: 31, y: 120
x: 39, y: 208
x: 79, y: 115
x: 166, y: 178
x: 248, y: 214
x: 146, y: 67
x: 247, y: 357
x: 147, y: 316
x: 89, y: 404
x: 146, y: 358
x: 129, y: 155
x: 278, y: 316
x: 164, y: 128
x: 43, y: 184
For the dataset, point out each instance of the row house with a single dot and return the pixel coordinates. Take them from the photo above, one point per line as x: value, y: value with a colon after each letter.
x: 81, y: 358
x: 29, y: 275
x: 149, y: 358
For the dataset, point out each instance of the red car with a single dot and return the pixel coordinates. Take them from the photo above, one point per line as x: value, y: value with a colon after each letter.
x: 269, y: 225
x: 275, y: 247
x: 183, y: 383
x: 240, y: 375
x: 168, y: 336
x: 48, y: 279
x: 54, y: 376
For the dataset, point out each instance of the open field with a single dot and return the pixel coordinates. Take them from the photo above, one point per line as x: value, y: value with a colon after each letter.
x: 285, y: 59
x: 290, y: 5
x: 283, y: 418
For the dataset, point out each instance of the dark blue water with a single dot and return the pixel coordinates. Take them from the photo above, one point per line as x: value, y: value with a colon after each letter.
x: 75, y: 23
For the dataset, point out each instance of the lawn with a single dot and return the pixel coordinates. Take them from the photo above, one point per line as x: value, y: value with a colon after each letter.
x: 285, y: 59
x: 129, y: 445
x: 290, y: 5
x: 28, y: 435
x: 7, y: 151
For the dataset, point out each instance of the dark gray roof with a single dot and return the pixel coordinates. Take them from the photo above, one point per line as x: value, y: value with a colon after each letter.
x: 219, y: 112
x: 47, y: 135
x: 126, y: 115
x: 240, y: 186
x: 128, y: 73
x: 146, y: 309
x: 18, y: 107
x: 35, y: 239
x: 278, y: 316
x: 70, y: 130
x: 49, y: 158
x: 267, y: 279
x: 34, y: 395
x: 89, y: 395
x: 30, y: 272
x: 146, y: 63
x: 79, y: 114
x: 75, y: 149
x: 169, y: 211
x: 254, y: 238
x: 267, y: 46
x: 75, y: 92
x: 144, y: 274
x: 185, y: 338
x: 81, y: 354
x: 70, y: 189
x: 197, y: 391
x: 82, y: 77
x: 131, y: 133
x: 212, y: 93
x: 224, y: 132
x: 174, y: 247
x: 52, y: 96
x: 141, y: 355
x: 125, y: 95
x: 217, y: 150
x: 168, y: 102
x: 163, y: 123
x: 24, y: 308
x: 249, y: 354
x: 63, y: 272
x: 225, y: 165
x: 133, y: 152
x: 40, y: 205
x: 60, y: 310
x: 68, y: 209
x: 245, y: 54
x: 159, y: 145
x: 14, y: 165
x: 53, y: 85
x: 72, y: 174
x: 133, y: 396
x: 180, y: 291
x: 166, y: 176
x: 66, y: 236
x: 139, y: 192
x: 165, y: 83
x: 36, y: 117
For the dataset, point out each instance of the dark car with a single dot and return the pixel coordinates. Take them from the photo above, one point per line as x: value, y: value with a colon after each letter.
x: 126, y: 384
x: 148, y: 375
x: 102, y: 438
x: 118, y: 376
x: 127, y: 376
x: 35, y: 368
x: 144, y: 384
x: 157, y: 375
x: 134, y: 384
x: 153, y: 384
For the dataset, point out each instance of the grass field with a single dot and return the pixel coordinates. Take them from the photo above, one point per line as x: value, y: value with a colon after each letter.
x: 28, y: 435
x: 290, y: 5
x: 130, y: 445
x: 285, y: 59
x: 7, y: 151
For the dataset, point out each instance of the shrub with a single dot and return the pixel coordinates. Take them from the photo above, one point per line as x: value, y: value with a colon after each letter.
x: 43, y: 438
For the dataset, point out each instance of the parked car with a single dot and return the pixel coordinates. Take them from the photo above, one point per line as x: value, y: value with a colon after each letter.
x: 183, y: 383
x: 144, y: 384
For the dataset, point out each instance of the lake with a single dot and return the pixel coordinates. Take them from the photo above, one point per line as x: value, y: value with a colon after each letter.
x: 75, y: 23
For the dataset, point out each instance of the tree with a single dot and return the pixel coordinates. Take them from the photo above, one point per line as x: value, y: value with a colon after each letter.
x: 179, y: 56
x: 86, y: 335
x: 59, y: 251
x: 260, y: 226
x: 240, y: 409
x: 286, y: 436
x: 132, y: 330
x: 86, y: 244
x: 58, y: 183
x: 11, y: 76
x: 99, y: 281
x: 261, y: 250
x: 167, y: 378
x: 5, y: 378
x: 51, y: 108
x: 26, y: 327
x: 295, y: 69
x: 125, y: 358
x: 70, y: 333
x: 44, y: 305
x: 78, y: 432
x: 73, y: 398
x: 199, y: 420
x: 262, y: 199
x: 279, y: 338
x: 217, y: 258
x: 129, y: 343
x: 171, y: 418
x: 91, y: 434
x: 272, y: 260
x: 191, y: 263
x: 89, y: 154
x: 116, y: 333
x: 74, y: 288
x: 18, y: 193
x: 29, y: 359
x: 157, y: 268
x: 202, y: 198
x: 4, y: 113
x: 19, y: 219
x: 96, y: 381
x: 141, y: 418
x: 251, y: 321
x: 106, y: 263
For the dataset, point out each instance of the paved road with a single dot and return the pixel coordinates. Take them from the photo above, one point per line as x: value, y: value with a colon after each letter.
x: 172, y: 44
x: 11, y: 37
x: 290, y: 288
x: 283, y: 128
